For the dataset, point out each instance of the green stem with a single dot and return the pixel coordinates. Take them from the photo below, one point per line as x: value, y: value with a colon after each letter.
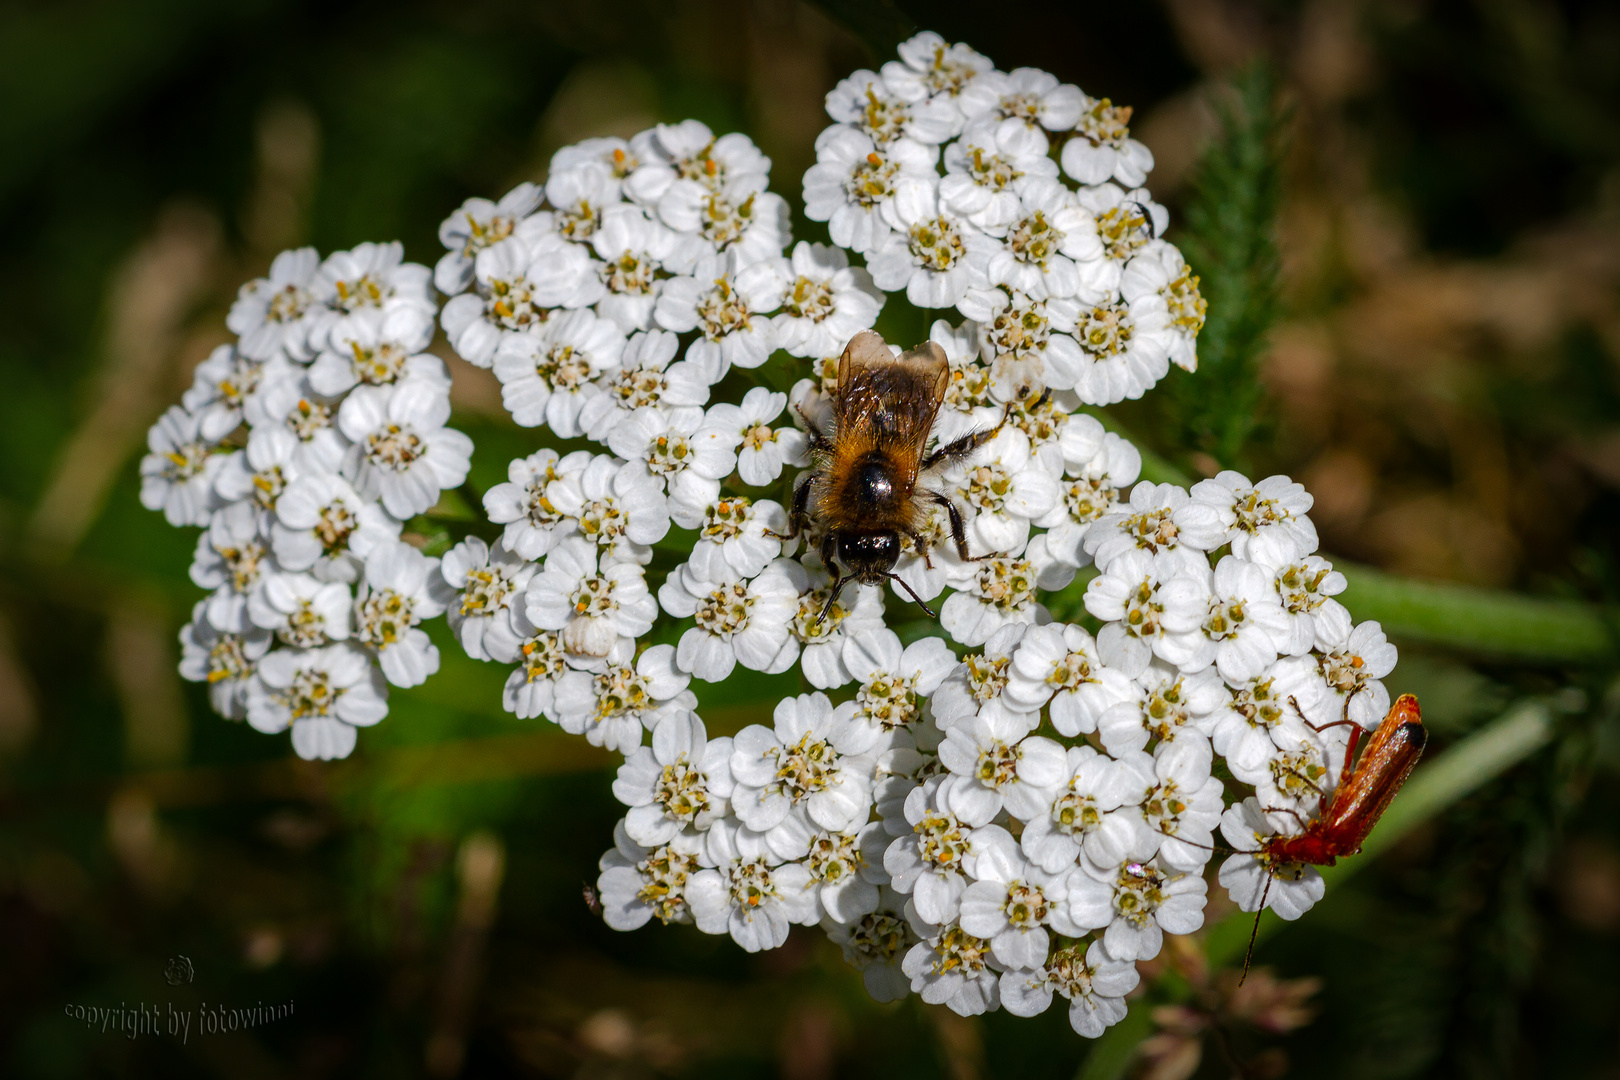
x: 1481, y: 620
x: 1487, y: 621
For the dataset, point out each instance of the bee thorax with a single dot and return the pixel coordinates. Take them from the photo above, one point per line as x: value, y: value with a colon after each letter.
x: 873, y: 485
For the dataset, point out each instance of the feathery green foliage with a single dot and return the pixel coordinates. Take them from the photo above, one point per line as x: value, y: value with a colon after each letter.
x: 1229, y: 241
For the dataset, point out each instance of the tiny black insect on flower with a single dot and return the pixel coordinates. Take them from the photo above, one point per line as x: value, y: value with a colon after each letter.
x: 1147, y: 218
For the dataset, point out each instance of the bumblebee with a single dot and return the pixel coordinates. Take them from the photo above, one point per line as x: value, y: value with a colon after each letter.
x: 866, y: 490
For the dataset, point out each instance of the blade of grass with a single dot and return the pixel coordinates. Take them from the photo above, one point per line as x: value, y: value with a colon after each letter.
x: 1491, y: 622
x: 1481, y: 620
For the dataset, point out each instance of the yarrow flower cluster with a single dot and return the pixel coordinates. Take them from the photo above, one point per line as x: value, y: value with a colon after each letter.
x: 1018, y: 201
x: 1033, y: 818
x: 301, y: 450
x: 990, y: 824
x: 609, y: 303
x: 987, y: 830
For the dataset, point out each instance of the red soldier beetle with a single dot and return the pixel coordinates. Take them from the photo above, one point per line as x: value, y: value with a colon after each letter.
x: 1364, y: 793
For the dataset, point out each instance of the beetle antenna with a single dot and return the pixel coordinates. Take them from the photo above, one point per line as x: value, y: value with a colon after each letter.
x: 913, y: 593
x: 1217, y: 848
x: 1303, y: 779
x: 1255, y: 932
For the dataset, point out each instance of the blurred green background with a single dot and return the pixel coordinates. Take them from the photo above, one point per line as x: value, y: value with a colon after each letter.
x: 1408, y: 224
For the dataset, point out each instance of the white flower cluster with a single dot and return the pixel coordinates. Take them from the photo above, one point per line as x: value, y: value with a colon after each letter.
x: 1031, y: 821
x: 301, y: 450
x: 1071, y: 790
x: 571, y: 291
x: 1026, y: 822
x: 1017, y: 200
x: 609, y: 304
x: 989, y: 831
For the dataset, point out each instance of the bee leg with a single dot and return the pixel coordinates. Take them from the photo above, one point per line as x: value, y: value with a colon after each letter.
x: 913, y: 594
x: 920, y: 542
x: 1147, y: 219
x: 957, y: 449
x: 838, y: 584
x: 818, y: 438
x: 799, y: 515
x: 829, y: 545
x: 958, y: 530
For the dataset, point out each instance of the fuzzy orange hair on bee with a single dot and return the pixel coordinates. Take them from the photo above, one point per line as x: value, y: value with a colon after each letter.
x: 869, y: 486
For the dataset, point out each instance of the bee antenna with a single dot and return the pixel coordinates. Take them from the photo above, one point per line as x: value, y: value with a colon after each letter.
x: 838, y: 587
x: 913, y: 593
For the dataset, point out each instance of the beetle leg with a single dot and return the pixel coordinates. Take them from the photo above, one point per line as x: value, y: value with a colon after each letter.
x: 1285, y: 810
x: 1255, y: 933
x: 1355, y: 732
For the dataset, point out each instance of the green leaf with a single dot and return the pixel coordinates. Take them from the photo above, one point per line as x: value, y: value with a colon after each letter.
x: 1230, y: 242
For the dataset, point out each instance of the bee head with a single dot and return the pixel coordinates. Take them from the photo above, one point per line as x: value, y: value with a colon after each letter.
x: 870, y: 556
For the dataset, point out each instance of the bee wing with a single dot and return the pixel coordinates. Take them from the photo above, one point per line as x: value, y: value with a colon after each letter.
x: 887, y: 399
x: 865, y: 350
